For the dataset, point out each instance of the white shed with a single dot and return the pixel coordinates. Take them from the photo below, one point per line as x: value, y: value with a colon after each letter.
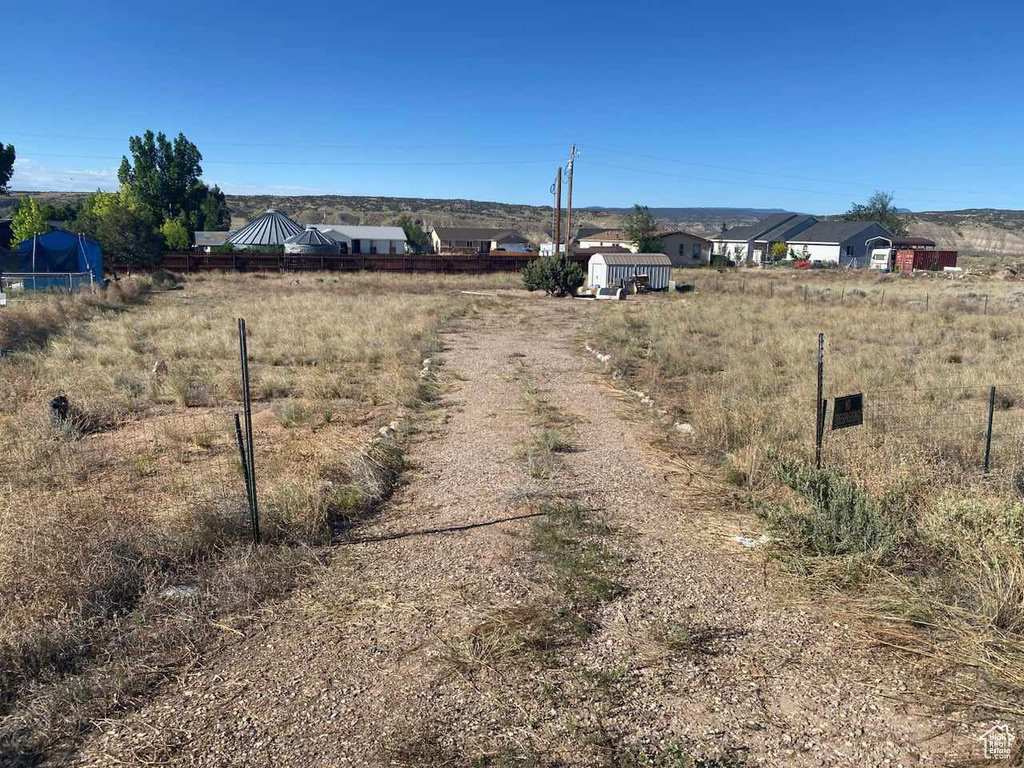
x: 607, y: 270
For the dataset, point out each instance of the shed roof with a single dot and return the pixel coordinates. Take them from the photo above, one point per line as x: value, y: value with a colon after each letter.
x: 209, y: 239
x: 639, y: 259
x: 272, y: 228
x: 835, y: 231
x: 363, y: 232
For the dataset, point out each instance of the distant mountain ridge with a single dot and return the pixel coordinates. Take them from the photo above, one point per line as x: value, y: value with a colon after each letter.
x: 981, y: 231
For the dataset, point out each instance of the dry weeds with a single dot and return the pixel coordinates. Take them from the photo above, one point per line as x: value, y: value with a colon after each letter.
x: 123, y: 533
x: 900, y: 514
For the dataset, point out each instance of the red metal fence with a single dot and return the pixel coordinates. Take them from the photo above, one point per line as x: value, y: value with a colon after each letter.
x: 496, y: 261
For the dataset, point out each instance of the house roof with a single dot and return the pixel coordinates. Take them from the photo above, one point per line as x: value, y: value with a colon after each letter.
x: 363, y: 232
x: 469, y: 233
x: 209, y: 239
x: 639, y: 259
x: 272, y: 228
x: 608, y: 235
x: 755, y: 231
x: 834, y: 231
x: 786, y: 228
x: 509, y: 237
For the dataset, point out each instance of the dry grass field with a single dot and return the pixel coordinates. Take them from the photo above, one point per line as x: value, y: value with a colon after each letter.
x: 901, y: 515
x: 124, y: 535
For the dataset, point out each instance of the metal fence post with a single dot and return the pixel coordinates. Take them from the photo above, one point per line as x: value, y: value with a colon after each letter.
x: 883, y: 297
x: 988, y: 432
x: 805, y: 294
x: 842, y: 296
x: 819, y: 405
x: 985, y: 311
x: 254, y: 508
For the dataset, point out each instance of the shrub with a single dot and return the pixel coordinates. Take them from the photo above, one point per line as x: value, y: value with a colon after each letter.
x: 555, y: 275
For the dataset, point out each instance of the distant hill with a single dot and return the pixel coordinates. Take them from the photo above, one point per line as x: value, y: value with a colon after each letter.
x: 974, y: 231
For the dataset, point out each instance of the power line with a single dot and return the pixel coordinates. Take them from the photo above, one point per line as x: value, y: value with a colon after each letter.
x: 314, y: 145
x: 316, y: 163
x: 772, y: 174
x: 758, y: 186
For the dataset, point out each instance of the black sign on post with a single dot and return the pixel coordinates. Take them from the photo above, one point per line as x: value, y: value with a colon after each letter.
x: 848, y: 411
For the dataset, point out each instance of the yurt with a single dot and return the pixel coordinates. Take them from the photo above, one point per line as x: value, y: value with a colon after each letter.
x: 270, y: 229
x: 312, y: 242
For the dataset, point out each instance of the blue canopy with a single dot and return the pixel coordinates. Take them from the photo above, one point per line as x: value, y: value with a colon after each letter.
x: 56, y: 251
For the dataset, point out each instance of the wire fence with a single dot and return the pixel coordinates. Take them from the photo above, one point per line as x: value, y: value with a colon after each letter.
x: 196, y: 466
x: 957, y: 434
x: 173, y: 467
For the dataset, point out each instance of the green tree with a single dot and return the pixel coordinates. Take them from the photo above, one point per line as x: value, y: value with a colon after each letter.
x: 642, y: 230
x: 214, y: 214
x: 126, y: 231
x: 779, y: 251
x: 880, y: 208
x: 28, y: 221
x: 164, y: 177
x: 175, y: 235
x: 418, y: 239
x: 6, y: 166
x: 555, y: 275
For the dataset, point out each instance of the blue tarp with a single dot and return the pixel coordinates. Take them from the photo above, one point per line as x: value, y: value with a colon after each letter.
x: 55, y: 251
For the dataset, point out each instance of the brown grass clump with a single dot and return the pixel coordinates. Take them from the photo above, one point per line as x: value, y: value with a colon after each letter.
x: 124, y: 533
x: 901, y: 513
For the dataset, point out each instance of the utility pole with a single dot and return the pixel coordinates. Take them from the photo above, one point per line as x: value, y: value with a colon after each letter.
x: 556, y: 235
x: 568, y: 205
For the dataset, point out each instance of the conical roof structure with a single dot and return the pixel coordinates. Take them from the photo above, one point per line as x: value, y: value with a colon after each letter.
x: 272, y: 228
x: 311, y: 240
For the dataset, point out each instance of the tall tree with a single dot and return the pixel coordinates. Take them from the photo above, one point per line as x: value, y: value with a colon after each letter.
x: 414, y: 234
x: 6, y: 166
x: 127, y: 231
x: 164, y: 176
x: 214, y: 214
x: 642, y: 230
x: 28, y: 221
x: 880, y: 208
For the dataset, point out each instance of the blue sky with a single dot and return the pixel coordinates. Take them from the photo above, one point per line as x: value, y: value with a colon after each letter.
x: 805, y: 106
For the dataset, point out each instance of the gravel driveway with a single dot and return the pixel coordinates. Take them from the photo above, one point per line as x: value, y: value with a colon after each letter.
x: 704, y: 657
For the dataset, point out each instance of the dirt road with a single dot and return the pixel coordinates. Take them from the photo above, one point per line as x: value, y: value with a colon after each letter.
x: 384, y: 662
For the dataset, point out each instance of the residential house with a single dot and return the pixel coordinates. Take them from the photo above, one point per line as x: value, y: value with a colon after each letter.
x: 684, y: 248
x: 359, y: 238
x: 205, y: 242
x: 838, y: 242
x: 753, y: 244
x: 479, y: 239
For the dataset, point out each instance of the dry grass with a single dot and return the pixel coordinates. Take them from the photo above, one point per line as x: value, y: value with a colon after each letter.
x: 124, y: 533
x: 901, y: 512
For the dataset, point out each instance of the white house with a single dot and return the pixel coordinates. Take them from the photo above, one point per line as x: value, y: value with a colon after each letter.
x: 606, y: 239
x: 358, y: 238
x: 752, y: 244
x: 608, y: 270
x: 838, y: 242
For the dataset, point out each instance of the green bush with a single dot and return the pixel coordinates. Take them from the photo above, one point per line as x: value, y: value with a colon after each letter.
x: 555, y: 275
x: 843, y: 519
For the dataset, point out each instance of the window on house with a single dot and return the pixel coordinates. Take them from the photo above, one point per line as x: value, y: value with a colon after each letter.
x: 849, y: 251
x: 696, y: 251
x: 682, y: 249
